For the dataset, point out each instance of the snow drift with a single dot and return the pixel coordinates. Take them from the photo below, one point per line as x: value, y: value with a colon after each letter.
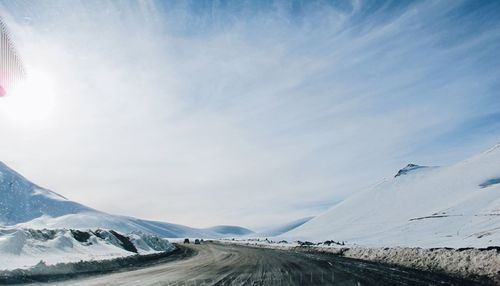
x: 23, y: 248
x: 455, y: 206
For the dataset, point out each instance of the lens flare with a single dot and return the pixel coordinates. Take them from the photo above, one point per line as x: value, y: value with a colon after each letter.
x: 31, y: 101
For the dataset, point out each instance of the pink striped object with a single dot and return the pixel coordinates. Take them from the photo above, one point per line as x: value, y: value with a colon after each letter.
x: 11, y: 67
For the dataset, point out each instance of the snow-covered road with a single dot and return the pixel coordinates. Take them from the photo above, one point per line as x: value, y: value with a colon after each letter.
x: 220, y: 264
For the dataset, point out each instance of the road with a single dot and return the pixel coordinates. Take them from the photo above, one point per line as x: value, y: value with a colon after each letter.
x: 222, y: 264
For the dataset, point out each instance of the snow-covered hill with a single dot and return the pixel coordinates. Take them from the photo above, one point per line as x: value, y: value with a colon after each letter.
x: 27, y: 205
x: 23, y: 248
x: 229, y: 230
x: 85, y: 220
x: 280, y: 229
x: 455, y: 206
x: 21, y: 200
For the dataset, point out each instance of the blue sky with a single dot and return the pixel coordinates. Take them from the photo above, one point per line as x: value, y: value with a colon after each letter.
x: 246, y: 112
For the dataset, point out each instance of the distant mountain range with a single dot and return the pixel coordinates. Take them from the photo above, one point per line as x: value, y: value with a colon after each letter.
x: 419, y: 206
x: 24, y: 204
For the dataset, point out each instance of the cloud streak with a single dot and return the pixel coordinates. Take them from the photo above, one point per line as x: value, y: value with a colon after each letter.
x: 250, y: 113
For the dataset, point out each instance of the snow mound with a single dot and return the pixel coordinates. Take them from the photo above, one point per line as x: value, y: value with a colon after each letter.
x: 464, y: 263
x: 455, y: 206
x: 23, y: 248
x: 147, y: 243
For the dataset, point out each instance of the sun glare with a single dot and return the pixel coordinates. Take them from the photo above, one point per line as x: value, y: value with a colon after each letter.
x: 31, y: 102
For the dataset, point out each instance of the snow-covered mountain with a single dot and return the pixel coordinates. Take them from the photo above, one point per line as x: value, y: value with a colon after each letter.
x: 21, y: 200
x: 454, y: 206
x: 27, y: 205
x: 229, y: 230
x: 280, y: 229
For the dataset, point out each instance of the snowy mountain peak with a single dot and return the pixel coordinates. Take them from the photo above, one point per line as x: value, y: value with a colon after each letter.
x: 22, y: 201
x: 6, y: 171
x: 410, y: 167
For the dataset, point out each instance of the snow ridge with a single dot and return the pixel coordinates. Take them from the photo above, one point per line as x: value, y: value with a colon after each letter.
x: 22, y: 201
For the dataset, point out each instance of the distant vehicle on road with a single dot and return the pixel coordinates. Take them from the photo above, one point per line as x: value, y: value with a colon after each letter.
x: 197, y: 241
x: 186, y: 241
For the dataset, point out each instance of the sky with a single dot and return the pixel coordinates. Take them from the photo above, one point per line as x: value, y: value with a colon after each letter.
x: 250, y: 113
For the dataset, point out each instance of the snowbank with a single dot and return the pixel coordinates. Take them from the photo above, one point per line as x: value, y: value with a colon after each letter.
x: 24, y: 248
x: 466, y: 263
x: 470, y: 263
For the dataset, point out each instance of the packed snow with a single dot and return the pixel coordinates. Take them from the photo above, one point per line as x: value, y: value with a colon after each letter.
x: 455, y: 206
x: 24, y: 248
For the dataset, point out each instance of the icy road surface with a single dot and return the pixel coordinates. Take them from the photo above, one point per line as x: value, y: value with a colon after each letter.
x: 220, y: 264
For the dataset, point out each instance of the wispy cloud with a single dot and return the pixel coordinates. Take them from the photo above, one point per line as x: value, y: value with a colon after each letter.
x: 251, y: 112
